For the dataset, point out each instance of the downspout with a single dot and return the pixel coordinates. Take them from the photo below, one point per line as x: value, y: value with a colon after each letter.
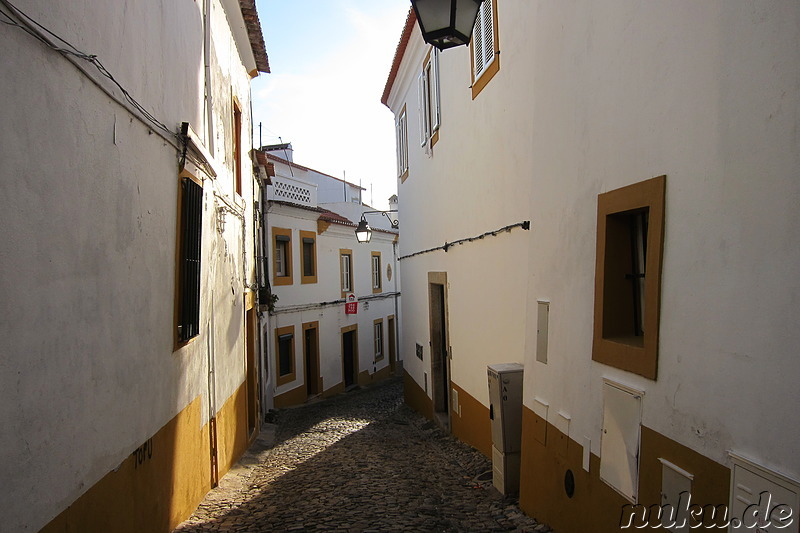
x: 396, y: 312
x: 207, y: 62
x: 264, y: 284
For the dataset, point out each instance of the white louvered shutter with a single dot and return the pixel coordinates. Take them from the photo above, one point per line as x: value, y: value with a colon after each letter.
x: 423, y: 111
x: 436, y: 115
x: 483, y: 38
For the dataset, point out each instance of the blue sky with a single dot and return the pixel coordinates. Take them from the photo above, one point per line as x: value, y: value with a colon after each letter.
x: 329, y: 61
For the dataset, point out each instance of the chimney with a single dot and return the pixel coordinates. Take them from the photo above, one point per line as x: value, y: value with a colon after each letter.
x: 283, y: 150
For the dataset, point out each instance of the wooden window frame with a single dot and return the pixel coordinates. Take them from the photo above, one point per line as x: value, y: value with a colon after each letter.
x: 304, y: 235
x: 342, y: 253
x: 288, y: 279
x: 181, y: 336
x: 377, y: 325
x: 237, y: 145
x: 493, y: 67
x: 430, y: 116
x: 637, y: 354
x: 291, y: 376
x: 401, y: 132
x: 376, y: 288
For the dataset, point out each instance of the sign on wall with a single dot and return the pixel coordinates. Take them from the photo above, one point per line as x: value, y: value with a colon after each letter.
x: 350, y: 304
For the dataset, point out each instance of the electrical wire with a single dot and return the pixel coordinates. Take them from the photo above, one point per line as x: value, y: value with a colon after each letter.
x: 44, y: 35
x: 526, y: 225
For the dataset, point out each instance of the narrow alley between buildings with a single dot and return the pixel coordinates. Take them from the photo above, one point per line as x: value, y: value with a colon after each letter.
x: 360, y: 462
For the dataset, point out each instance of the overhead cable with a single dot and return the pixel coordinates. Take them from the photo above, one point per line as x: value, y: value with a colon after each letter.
x: 526, y: 225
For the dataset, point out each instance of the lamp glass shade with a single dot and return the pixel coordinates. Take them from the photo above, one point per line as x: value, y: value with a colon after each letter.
x: 446, y: 23
x: 363, y: 232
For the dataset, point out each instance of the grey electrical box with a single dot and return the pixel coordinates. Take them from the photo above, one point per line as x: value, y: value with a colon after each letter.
x: 505, y: 412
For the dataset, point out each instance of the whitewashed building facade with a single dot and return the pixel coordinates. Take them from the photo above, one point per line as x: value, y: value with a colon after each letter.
x: 653, y: 148
x: 128, y: 382
x: 311, y: 346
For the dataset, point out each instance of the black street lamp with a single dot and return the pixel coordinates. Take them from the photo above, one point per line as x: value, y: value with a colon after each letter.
x: 364, y: 232
x: 446, y: 23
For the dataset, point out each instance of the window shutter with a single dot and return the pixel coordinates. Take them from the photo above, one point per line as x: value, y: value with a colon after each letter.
x: 483, y: 38
x: 436, y: 114
x: 420, y: 103
x: 399, y: 141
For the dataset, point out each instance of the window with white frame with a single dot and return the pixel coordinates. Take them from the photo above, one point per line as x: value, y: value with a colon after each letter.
x: 429, y: 108
x: 346, y: 270
x: 376, y: 272
x: 401, y: 131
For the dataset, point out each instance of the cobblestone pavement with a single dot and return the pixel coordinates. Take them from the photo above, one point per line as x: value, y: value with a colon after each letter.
x: 359, y: 462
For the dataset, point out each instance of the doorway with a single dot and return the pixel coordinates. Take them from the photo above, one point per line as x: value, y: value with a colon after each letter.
x: 440, y: 378
x: 251, y: 372
x: 392, y: 344
x: 311, y: 357
x: 350, y: 355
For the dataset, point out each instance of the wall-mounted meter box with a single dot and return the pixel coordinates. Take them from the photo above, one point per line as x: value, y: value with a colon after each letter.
x: 505, y: 406
x: 505, y: 413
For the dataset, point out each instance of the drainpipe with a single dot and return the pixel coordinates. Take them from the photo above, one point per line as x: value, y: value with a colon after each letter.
x: 397, y: 330
x: 207, y: 62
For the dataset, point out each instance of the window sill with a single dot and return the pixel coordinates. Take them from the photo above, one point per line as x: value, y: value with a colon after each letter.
x: 283, y: 280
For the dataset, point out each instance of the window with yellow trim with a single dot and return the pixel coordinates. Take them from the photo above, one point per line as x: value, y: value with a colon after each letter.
x: 308, y: 257
x: 430, y: 115
x: 376, y: 272
x: 346, y: 270
x: 401, y: 133
x: 630, y: 239
x: 484, y: 47
x: 377, y: 327
x: 284, y: 355
x: 188, y: 273
x: 282, y: 256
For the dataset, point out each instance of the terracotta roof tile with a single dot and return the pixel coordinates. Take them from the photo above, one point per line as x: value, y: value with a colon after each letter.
x: 411, y: 19
x: 250, y: 15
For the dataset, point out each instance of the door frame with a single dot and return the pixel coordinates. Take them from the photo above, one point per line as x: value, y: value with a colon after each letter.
x: 441, y: 403
x: 251, y: 371
x: 318, y: 378
x: 391, y: 335
x: 348, y: 329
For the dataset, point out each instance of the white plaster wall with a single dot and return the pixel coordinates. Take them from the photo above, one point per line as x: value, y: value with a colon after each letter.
x: 88, y: 203
x: 708, y: 94
x: 475, y: 181
x: 589, y: 99
x: 331, y: 317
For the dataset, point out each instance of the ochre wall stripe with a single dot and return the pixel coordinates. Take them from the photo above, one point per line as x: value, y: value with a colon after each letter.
x: 161, y: 483
x: 595, y: 506
x: 472, y: 425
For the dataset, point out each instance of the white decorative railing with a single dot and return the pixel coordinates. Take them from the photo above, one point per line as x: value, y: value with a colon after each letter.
x: 291, y: 190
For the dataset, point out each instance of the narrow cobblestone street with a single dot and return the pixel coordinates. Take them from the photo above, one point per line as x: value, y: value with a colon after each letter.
x: 360, y: 462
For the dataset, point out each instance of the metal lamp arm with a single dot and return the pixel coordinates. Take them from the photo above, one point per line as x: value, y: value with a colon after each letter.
x: 394, y: 222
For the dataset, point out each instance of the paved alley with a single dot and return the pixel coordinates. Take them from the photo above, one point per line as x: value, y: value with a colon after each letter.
x: 360, y: 462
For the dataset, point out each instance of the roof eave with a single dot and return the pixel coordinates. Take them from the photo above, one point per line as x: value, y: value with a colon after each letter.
x: 411, y: 20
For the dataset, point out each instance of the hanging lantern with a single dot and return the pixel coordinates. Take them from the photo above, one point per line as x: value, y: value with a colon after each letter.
x: 446, y: 23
